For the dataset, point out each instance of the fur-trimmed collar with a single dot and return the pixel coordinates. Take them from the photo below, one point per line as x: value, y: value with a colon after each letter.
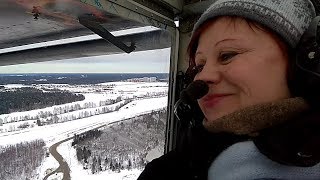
x: 287, y: 131
x: 250, y: 120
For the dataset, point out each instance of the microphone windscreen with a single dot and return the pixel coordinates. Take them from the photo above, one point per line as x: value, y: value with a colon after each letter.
x: 196, y: 90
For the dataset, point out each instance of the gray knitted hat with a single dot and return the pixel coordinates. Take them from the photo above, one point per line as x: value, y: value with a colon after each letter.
x: 288, y: 18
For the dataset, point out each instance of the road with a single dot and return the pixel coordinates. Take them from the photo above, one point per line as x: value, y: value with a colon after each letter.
x: 63, y: 165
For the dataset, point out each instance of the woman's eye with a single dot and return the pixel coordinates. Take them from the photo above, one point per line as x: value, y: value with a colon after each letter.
x: 225, y: 56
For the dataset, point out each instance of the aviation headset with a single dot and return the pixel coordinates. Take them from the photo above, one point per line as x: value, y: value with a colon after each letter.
x: 306, y: 67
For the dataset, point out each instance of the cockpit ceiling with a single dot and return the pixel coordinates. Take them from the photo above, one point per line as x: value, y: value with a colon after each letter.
x: 31, y: 21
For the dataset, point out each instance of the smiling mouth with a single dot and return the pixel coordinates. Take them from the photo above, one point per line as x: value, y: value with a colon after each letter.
x: 212, y: 100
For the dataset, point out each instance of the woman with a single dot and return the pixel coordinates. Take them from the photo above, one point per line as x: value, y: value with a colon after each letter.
x: 256, y: 125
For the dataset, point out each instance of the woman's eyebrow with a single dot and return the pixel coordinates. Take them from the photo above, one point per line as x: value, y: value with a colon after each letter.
x: 221, y: 41
x: 224, y: 40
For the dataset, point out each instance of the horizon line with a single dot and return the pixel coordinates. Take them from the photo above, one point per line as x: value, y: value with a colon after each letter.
x: 89, y: 73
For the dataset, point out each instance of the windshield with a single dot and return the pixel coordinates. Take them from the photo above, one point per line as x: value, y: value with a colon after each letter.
x: 75, y: 105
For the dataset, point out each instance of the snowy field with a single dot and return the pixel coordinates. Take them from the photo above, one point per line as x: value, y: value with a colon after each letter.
x: 56, y: 132
x: 94, y: 95
x: 145, y: 97
x: 78, y: 173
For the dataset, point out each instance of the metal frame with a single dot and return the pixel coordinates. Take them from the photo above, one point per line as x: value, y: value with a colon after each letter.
x: 91, y: 23
x: 151, y: 13
x: 130, y: 9
x: 171, y: 125
x: 175, y: 4
x: 179, y: 62
x: 88, y: 48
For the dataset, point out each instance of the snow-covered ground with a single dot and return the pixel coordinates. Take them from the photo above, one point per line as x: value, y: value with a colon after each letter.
x: 48, y: 165
x: 56, y: 132
x: 93, y: 94
x: 77, y: 172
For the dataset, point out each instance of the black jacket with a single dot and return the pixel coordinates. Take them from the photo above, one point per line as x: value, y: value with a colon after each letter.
x: 296, y: 142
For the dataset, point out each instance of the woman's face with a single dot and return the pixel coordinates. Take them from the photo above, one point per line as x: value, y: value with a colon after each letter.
x: 242, y: 64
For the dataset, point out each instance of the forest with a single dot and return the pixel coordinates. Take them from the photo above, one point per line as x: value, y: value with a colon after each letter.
x: 59, y: 114
x: 20, y: 161
x: 28, y: 98
x: 70, y: 78
x: 122, y: 145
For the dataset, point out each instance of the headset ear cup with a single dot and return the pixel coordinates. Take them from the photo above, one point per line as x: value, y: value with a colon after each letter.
x: 306, y: 73
x: 307, y: 86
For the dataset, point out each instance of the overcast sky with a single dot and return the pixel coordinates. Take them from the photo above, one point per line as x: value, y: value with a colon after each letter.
x: 153, y: 61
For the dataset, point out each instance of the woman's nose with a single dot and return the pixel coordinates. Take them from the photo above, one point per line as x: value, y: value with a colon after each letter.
x: 209, y: 74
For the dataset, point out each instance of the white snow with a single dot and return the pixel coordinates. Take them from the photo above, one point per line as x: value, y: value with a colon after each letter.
x: 157, y: 99
x: 93, y: 98
x: 48, y: 165
x: 154, y: 153
x: 56, y: 176
x: 78, y: 173
x: 15, y: 86
x: 55, y: 132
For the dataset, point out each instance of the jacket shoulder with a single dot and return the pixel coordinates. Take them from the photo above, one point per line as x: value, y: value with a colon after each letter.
x: 168, y: 166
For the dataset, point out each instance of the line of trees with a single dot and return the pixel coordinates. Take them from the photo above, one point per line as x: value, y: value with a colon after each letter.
x: 123, y: 145
x: 86, y: 136
x: 83, y: 154
x: 21, y: 160
x: 52, y: 116
x: 47, y: 118
x: 27, y: 98
x: 97, y: 164
x: 78, y: 79
x: 151, y: 95
x: 83, y: 114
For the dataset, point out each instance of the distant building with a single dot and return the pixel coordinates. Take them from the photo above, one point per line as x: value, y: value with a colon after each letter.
x: 144, y: 79
x: 153, y: 79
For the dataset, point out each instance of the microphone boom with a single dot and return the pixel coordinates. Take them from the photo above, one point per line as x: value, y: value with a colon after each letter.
x: 187, y: 104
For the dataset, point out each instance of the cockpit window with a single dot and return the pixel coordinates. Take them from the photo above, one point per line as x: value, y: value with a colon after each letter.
x: 74, y: 104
